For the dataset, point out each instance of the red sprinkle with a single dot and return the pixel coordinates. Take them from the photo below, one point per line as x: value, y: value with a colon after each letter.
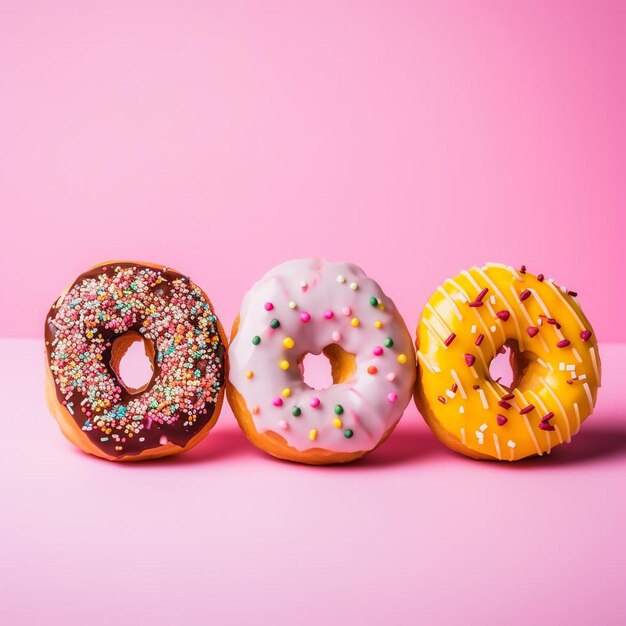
x: 527, y: 409
x: 441, y: 399
x: 469, y: 360
x: 476, y: 304
x: 482, y: 294
x: 503, y: 315
x: 454, y: 388
x: 479, y: 339
x: 569, y: 381
x: 572, y: 293
x: 475, y: 387
x: 547, y: 417
x: 546, y: 426
x: 585, y: 335
x: 563, y: 343
x: 509, y: 396
x: 372, y: 369
x: 532, y: 331
x: 522, y: 270
x: 504, y: 404
x: 450, y: 339
x: 524, y: 295
x: 501, y: 419
x: 551, y: 320
x: 540, y: 278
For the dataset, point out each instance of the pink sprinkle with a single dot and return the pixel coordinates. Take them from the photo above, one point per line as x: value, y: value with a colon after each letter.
x: 163, y: 440
x: 501, y: 420
x: 524, y: 295
x: 283, y: 424
x: 503, y: 315
x: 546, y: 426
x: 527, y: 409
x: 315, y: 402
x: 305, y: 317
x: 532, y: 331
x: 392, y: 396
x: 469, y: 360
x: 268, y: 306
x: 336, y: 336
x: 563, y: 343
x: 346, y: 310
x: 277, y: 401
x: 450, y: 339
x: 377, y: 350
x: 328, y: 314
x: 476, y: 304
x: 479, y: 339
x: 585, y: 335
x: 391, y: 376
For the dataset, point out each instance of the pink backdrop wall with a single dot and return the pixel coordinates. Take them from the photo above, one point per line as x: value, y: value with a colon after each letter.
x: 413, y: 138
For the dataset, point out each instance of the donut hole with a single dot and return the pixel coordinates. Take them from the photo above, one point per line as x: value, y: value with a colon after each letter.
x: 132, y: 360
x: 332, y: 367
x: 509, y: 365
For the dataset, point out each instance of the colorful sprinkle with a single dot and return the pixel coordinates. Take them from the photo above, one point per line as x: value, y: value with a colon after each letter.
x: 372, y: 369
x: 313, y: 434
x: 585, y: 335
x: 378, y: 324
x: 328, y: 314
x: 315, y: 402
x: 337, y: 423
x: 527, y: 409
x: 249, y: 374
x: 286, y: 392
x: 268, y: 306
x: 377, y: 351
x: 256, y: 340
x: 277, y: 401
x: 355, y: 322
x: 354, y: 286
x: 288, y: 343
x: 338, y: 409
x: 296, y: 411
x: 532, y: 331
x: 402, y: 359
x: 283, y: 364
x: 388, y: 342
x: 563, y: 343
x: 524, y: 295
x: 341, y: 279
x: 479, y: 339
x: 450, y: 339
x: 391, y: 377
x: 374, y: 301
x: 305, y: 317
x: 283, y: 425
x: 275, y: 324
x: 347, y: 433
x: 469, y: 360
x: 502, y: 420
x: 503, y: 315
x: 392, y: 396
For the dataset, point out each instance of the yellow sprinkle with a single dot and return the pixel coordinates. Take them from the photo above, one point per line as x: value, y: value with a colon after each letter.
x: 255, y: 410
x: 313, y: 434
x: 284, y: 364
x: 337, y: 423
x: 355, y: 321
x: 381, y: 306
x: 378, y: 324
x: 402, y: 359
x: 286, y: 392
x: 249, y: 374
x: 289, y: 343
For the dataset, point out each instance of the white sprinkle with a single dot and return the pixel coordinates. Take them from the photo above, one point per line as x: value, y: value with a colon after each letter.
x: 582, y: 377
x: 163, y: 440
x: 493, y: 328
x: 483, y: 428
x: 354, y: 286
x: 283, y: 424
x: 539, y: 322
x: 142, y: 439
x: 69, y: 407
x: 480, y: 437
x: 463, y: 436
x: 492, y: 299
x: 450, y: 394
x: 461, y: 409
x: 292, y: 305
x: 570, y: 368
x: 573, y: 375
x: 473, y: 329
x: 561, y: 367
x: 511, y: 444
x: 341, y: 279
x: 483, y: 398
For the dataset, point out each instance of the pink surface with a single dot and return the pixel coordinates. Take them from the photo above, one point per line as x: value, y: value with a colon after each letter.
x: 413, y: 534
x: 413, y: 138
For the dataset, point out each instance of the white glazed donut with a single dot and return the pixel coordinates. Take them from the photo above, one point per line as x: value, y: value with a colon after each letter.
x: 310, y: 306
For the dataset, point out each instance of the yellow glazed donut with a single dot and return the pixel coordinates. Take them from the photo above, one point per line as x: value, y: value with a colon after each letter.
x: 88, y: 330
x: 553, y: 353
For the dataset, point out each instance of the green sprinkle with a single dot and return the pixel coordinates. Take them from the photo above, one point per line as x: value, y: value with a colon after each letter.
x: 373, y: 302
x: 274, y: 323
x: 338, y: 409
x: 296, y: 411
x: 256, y: 340
x: 347, y: 433
x: 388, y: 342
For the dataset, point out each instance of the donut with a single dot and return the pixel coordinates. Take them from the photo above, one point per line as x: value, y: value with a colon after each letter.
x: 87, y: 332
x: 312, y: 306
x: 553, y: 355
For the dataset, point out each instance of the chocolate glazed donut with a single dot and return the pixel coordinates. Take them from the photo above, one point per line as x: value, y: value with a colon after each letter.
x: 89, y: 329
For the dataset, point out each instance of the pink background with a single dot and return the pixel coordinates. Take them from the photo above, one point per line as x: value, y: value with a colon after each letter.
x: 414, y: 138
